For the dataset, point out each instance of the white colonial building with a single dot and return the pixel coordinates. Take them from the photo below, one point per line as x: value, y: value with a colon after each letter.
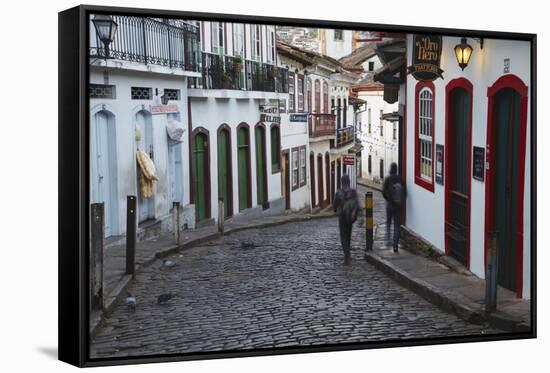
x: 127, y: 84
x: 468, y: 163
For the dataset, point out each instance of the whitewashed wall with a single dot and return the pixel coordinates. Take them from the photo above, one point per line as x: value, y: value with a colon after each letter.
x: 485, y: 67
x: 378, y: 147
x: 210, y: 113
x: 124, y: 109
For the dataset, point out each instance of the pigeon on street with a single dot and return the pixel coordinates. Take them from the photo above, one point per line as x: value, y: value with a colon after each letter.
x: 130, y: 301
x: 166, y: 263
x: 164, y: 298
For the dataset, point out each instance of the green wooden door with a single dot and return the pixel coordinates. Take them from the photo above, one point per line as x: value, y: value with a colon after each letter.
x: 199, y: 173
x: 223, y: 170
x: 507, y: 112
x: 260, y: 165
x: 458, y: 229
x: 243, y: 161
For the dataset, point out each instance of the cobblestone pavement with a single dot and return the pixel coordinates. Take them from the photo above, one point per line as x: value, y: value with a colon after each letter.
x: 272, y: 287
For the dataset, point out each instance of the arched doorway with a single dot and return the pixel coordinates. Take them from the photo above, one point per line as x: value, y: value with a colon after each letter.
x: 320, y: 181
x: 504, y: 187
x: 243, y: 155
x: 225, y: 173
x: 103, y: 162
x: 458, y: 139
x: 328, y: 177
x: 261, y: 167
x: 312, y: 178
x: 144, y: 120
x: 201, y: 174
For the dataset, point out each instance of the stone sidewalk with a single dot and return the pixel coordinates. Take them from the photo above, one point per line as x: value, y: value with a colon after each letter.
x: 148, y: 251
x: 444, y: 281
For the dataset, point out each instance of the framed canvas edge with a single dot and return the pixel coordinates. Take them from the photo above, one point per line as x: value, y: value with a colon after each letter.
x: 73, y: 190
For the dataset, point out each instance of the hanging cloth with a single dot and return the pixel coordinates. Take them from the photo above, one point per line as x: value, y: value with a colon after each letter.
x: 147, y: 174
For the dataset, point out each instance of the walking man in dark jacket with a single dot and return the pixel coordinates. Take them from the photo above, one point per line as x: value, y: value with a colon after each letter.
x: 346, y: 206
x: 394, y: 193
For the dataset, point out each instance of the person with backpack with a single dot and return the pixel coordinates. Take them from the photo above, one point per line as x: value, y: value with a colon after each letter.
x: 346, y: 206
x: 394, y: 193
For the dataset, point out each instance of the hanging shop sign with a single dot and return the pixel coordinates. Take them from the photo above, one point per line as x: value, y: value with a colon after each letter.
x: 478, y: 168
x: 439, y: 163
x: 164, y: 109
x: 426, y: 58
x: 349, y: 160
x: 302, y: 117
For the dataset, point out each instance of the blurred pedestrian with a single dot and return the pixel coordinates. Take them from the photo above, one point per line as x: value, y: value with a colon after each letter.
x: 394, y: 193
x: 346, y: 206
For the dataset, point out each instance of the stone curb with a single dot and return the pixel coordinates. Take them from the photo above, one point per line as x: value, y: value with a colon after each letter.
x: 116, y: 294
x: 448, y: 301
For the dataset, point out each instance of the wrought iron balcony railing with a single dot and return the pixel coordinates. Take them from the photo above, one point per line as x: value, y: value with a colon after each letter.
x: 321, y: 125
x: 226, y: 72
x: 345, y: 136
x: 165, y: 42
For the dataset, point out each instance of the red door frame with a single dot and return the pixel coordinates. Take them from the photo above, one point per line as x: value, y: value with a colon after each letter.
x: 449, y: 117
x: 515, y: 83
x: 328, y: 200
x: 320, y: 183
x: 312, y: 178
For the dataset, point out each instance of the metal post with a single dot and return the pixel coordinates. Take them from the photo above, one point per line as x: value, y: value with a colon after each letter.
x: 176, y: 221
x: 368, y: 220
x: 220, y: 216
x: 131, y: 235
x: 96, y: 255
x: 491, y: 275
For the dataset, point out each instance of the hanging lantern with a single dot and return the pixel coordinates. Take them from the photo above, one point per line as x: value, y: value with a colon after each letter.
x: 463, y: 52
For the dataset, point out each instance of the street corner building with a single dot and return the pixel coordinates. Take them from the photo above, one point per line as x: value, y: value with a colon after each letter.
x: 203, y: 112
x: 467, y: 149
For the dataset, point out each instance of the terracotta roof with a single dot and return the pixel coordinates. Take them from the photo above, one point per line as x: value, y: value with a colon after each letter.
x: 358, y: 56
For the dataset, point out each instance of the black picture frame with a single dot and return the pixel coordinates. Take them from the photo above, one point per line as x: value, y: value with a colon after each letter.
x: 74, y: 209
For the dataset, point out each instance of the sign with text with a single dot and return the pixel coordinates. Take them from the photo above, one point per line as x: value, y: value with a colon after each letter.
x: 439, y: 164
x: 164, y: 109
x: 302, y: 117
x: 349, y: 160
x: 269, y: 112
x: 478, y: 167
x: 426, y: 58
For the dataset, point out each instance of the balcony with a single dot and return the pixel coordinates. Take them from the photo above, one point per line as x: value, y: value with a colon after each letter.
x: 322, y: 126
x: 225, y: 72
x: 345, y: 136
x: 150, y: 41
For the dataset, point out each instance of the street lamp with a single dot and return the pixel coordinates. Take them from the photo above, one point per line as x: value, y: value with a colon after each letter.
x: 463, y: 52
x: 105, y: 28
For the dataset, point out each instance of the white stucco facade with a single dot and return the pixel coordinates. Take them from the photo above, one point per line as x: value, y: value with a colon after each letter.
x: 499, y: 59
x: 378, y: 144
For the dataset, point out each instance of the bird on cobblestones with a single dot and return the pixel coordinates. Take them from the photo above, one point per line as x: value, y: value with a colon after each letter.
x: 164, y: 298
x: 166, y: 263
x: 130, y: 301
x: 247, y: 245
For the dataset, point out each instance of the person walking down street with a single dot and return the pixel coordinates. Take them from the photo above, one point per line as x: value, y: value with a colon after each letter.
x: 346, y: 206
x: 394, y: 193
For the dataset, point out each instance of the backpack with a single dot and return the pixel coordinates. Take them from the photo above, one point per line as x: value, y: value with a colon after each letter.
x: 397, y: 194
x: 350, y: 208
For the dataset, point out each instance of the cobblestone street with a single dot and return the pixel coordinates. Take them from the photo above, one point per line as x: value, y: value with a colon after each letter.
x: 271, y: 287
